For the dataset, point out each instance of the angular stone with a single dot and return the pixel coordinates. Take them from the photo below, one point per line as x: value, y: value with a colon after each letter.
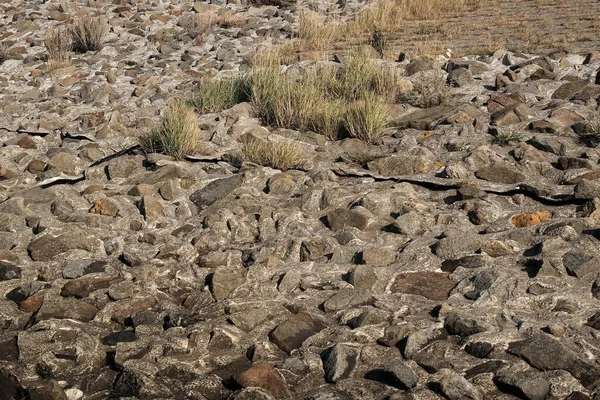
x: 151, y: 208
x: 401, y: 375
x: 402, y: 165
x: 587, y: 190
x: 456, y: 387
x: 339, y: 361
x: 216, y: 190
x: 547, y: 354
x: 362, y: 277
x: 312, y: 250
x: 512, y: 115
x: 347, y: 298
x: 66, y: 307
x: 9, y: 271
x: 434, y: 286
x: 463, y: 326
x: 266, y: 377
x: 290, y: 334
x: 580, y: 264
x: 454, y: 247
x: 460, y: 77
x: 82, y: 287
x: 225, y: 280
x: 479, y: 349
x: 48, y: 246
x: 529, y: 388
x: 77, y: 268
x: 425, y: 119
x: 568, y: 90
x: 501, y: 174
x: 341, y: 218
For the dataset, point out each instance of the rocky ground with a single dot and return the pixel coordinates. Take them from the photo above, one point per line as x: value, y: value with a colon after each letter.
x: 456, y: 259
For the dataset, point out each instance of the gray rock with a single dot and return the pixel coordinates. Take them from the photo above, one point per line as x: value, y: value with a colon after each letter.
x: 338, y: 362
x: 501, y: 174
x: 9, y: 271
x: 401, y: 375
x: 225, y: 280
x: 460, y: 77
x: 454, y: 247
x: 45, y: 248
x: 77, y: 268
x: 527, y: 388
x: 402, y: 165
x: 463, y: 326
x: 547, y: 354
x: 456, y: 387
x: 341, y: 218
x: 290, y: 334
x: 587, y: 190
x: 215, y: 191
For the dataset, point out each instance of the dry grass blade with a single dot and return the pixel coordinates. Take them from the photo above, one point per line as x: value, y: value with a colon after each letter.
x: 88, y: 33
x: 178, y: 135
x: 281, y: 155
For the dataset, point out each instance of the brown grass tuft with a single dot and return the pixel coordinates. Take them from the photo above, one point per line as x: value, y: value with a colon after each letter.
x: 281, y: 155
x: 366, y: 119
x: 178, y: 134
x: 196, y: 24
x: 88, y: 33
x: 59, y: 44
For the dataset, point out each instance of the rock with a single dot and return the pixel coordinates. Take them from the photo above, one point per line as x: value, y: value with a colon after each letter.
x: 580, y: 264
x: 456, y: 387
x: 547, y: 354
x: 435, y: 286
x: 312, y: 250
x: 151, y: 208
x: 479, y: 349
x: 49, y: 390
x: 400, y: 375
x: 82, y: 287
x: 9, y: 271
x: 216, y: 190
x: 341, y: 218
x: 500, y: 174
x: 460, y: 77
x: 512, y: 115
x: 405, y: 165
x: 424, y: 119
x: 47, y: 247
x: 463, y: 326
x: 530, y: 219
x: 586, y: 190
x: 523, y: 386
x: 11, y: 388
x: 379, y: 257
x: 362, y: 277
x: 290, y: 334
x: 66, y: 307
x: 416, y: 66
x: 77, y: 268
x: 225, y: 280
x: 338, y: 362
x: 266, y: 377
x: 454, y: 247
x: 568, y: 90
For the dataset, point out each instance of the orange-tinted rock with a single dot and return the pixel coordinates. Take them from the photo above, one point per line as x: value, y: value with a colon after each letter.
x: 266, y: 377
x: 104, y: 207
x: 26, y: 143
x: 530, y: 219
x: 435, y: 286
x: 32, y: 304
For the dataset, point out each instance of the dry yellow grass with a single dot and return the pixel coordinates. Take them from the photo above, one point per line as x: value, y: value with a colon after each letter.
x: 366, y: 119
x: 197, y: 24
x: 58, y: 43
x: 178, y: 134
x: 232, y: 20
x: 88, y: 33
x: 281, y: 155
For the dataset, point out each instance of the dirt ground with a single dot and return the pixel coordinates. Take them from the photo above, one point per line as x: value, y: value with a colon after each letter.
x: 533, y: 26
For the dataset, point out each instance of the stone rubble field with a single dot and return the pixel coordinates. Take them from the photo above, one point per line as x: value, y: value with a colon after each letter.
x: 458, y: 258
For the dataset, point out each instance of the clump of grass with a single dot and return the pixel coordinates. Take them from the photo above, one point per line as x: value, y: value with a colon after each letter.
x: 58, y: 43
x: 314, y: 32
x: 232, y: 20
x: 197, y: 24
x: 366, y: 119
x: 591, y: 136
x: 88, y: 33
x: 328, y: 119
x: 281, y: 155
x: 178, y: 134
x: 505, y: 139
x: 214, y: 96
x: 281, y: 101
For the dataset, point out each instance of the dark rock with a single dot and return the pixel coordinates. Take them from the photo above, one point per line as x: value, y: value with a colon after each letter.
x: 404, y: 165
x: 435, y: 286
x: 82, y: 287
x: 425, y: 119
x: 482, y: 282
x: 580, y: 264
x: 338, y: 362
x: 47, y: 247
x: 417, y: 66
x: 527, y: 388
x: 577, y: 396
x: 512, y: 115
x: 547, y: 354
x: 120, y: 336
x: 9, y: 271
x: 400, y: 375
x: 479, y: 349
x: 312, y: 250
x: 460, y: 77
x: 216, y: 190
x: 341, y: 218
x: 456, y: 387
x: 586, y: 190
x: 455, y: 247
x: 10, y: 388
x: 463, y: 326
x: 78, y: 268
x: 66, y: 308
x: 568, y: 90
x: 49, y: 390
x: 485, y: 368
x: 291, y: 333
